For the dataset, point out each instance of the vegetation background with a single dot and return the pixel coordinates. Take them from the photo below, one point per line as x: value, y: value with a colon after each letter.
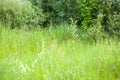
x: 59, y: 39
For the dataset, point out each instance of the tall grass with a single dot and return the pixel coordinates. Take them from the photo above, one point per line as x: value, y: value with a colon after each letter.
x: 55, y: 54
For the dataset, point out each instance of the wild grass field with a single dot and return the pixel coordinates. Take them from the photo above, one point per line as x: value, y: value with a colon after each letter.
x: 56, y: 54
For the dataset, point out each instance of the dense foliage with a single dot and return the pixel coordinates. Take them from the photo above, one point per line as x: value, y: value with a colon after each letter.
x: 17, y: 13
x: 45, y: 12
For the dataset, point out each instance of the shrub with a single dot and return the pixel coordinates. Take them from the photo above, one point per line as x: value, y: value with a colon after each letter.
x: 114, y: 27
x: 95, y: 31
x: 63, y: 32
x: 37, y: 6
x: 88, y: 11
x: 111, y: 11
x: 17, y: 13
x: 58, y: 11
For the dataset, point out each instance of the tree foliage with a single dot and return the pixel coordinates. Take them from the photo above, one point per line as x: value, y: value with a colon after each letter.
x: 45, y: 12
x: 17, y: 13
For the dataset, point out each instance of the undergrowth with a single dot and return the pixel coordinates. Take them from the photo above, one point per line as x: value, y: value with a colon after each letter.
x: 56, y: 53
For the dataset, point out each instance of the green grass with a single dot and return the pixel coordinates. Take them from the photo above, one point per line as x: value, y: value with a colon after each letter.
x: 56, y: 54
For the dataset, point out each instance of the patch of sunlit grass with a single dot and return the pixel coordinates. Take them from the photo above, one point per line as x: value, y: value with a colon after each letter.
x: 48, y: 55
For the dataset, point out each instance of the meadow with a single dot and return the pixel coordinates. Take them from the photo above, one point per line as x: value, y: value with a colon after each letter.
x: 56, y: 54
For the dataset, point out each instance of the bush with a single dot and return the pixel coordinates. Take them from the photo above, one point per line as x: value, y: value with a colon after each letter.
x: 114, y: 27
x: 111, y: 11
x: 37, y: 6
x: 63, y: 32
x: 88, y: 11
x: 58, y: 11
x: 17, y: 13
x: 95, y: 31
